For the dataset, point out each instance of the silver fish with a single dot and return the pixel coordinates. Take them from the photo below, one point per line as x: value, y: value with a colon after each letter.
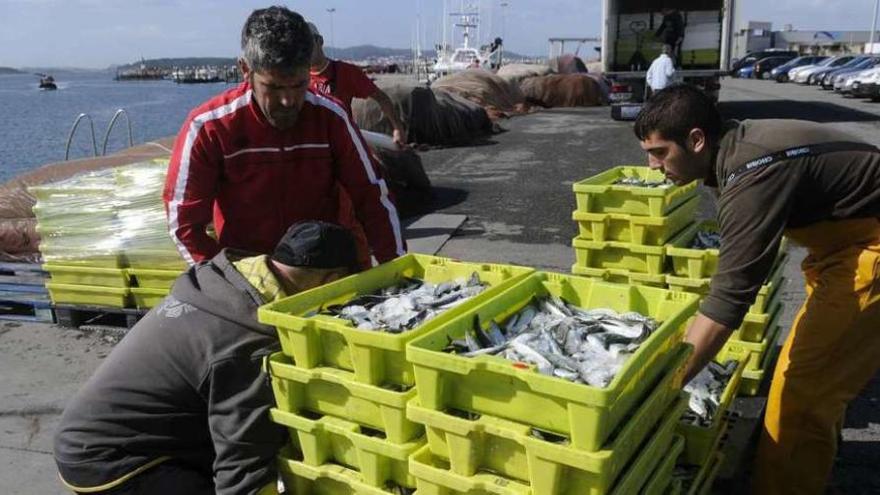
x: 635, y: 181
x: 706, y: 239
x: 705, y: 391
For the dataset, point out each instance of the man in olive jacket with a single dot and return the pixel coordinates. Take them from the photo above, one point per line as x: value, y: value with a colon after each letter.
x: 181, y: 404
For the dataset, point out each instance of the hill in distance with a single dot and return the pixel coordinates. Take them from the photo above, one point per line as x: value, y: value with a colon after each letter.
x: 4, y: 71
x: 360, y: 52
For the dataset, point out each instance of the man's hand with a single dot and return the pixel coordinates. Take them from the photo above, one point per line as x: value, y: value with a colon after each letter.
x: 707, y: 337
x: 399, y: 137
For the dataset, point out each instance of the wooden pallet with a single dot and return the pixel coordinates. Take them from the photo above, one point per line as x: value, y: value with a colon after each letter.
x: 96, y: 316
x: 23, y: 294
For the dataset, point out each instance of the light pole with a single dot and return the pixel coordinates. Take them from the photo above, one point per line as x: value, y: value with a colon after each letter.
x: 873, y: 26
x: 332, y: 41
x: 504, y: 17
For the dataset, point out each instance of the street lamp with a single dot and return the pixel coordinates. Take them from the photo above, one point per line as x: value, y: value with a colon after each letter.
x: 873, y: 26
x: 332, y: 40
x: 503, y: 16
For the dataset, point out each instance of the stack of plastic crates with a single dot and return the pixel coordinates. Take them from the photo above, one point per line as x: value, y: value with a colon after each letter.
x: 623, y: 229
x: 151, y: 257
x: 755, y: 340
x: 500, y: 427
x: 81, y: 241
x: 104, y: 237
x: 343, y: 392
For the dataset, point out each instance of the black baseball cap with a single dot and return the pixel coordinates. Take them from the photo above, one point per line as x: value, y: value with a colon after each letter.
x: 316, y: 244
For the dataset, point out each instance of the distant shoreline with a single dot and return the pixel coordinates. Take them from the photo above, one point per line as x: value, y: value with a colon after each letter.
x: 5, y: 71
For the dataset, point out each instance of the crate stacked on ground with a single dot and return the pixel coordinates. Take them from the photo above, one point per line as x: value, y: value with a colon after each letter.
x: 342, y: 391
x: 81, y: 241
x: 755, y: 340
x: 151, y: 257
x: 499, y: 426
x: 623, y: 229
x: 104, y: 237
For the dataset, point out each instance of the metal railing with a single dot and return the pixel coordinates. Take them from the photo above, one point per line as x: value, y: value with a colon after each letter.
x: 80, y: 117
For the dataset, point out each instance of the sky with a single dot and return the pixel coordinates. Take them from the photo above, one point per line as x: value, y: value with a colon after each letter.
x: 101, y: 33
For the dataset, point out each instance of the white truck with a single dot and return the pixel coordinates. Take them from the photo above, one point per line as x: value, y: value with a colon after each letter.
x: 630, y: 43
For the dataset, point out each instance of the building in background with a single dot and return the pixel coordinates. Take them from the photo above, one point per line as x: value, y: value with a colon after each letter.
x: 757, y: 36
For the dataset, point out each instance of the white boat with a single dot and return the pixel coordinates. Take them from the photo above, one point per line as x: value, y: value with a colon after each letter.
x: 464, y: 57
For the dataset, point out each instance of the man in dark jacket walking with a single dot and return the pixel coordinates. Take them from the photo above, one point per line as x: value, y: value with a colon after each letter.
x: 671, y: 32
x: 181, y: 404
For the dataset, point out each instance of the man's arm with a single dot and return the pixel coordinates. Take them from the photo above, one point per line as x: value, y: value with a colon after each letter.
x: 387, y: 106
x: 245, y: 439
x: 190, y: 189
x: 707, y: 336
x: 359, y: 175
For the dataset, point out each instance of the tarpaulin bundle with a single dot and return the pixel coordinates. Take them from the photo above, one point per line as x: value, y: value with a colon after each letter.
x: 496, y: 95
x: 563, y: 90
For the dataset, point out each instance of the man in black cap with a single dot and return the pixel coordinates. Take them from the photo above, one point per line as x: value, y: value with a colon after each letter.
x: 181, y: 404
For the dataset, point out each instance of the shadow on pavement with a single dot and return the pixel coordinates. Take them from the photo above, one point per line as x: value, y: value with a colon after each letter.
x: 790, y: 109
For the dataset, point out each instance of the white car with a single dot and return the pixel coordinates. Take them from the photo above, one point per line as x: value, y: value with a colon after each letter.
x: 866, y: 78
x: 845, y: 83
x: 805, y: 72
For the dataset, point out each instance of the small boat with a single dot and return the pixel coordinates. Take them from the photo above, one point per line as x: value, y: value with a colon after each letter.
x: 47, y: 82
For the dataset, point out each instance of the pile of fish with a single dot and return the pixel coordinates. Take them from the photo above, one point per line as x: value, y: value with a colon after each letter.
x: 635, y: 181
x: 405, y: 306
x: 705, y: 390
x: 562, y: 340
x: 706, y: 239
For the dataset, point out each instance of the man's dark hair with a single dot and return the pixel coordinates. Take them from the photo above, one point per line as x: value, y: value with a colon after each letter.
x: 674, y: 111
x: 276, y: 38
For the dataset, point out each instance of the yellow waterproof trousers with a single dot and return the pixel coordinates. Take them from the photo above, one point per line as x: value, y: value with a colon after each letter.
x: 831, y: 353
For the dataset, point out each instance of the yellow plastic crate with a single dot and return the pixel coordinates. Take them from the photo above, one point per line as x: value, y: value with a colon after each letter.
x: 622, y: 255
x: 375, y: 357
x: 661, y: 478
x: 154, y: 279
x: 329, y: 479
x: 155, y: 259
x: 752, y: 380
x: 334, y: 392
x: 621, y: 227
x: 146, y: 298
x: 51, y: 218
x: 433, y: 475
x: 498, y: 387
x: 327, y: 439
x: 674, y: 488
x: 700, y: 263
x: 61, y: 255
x: 490, y: 444
x: 598, y: 194
x: 754, y: 326
x: 700, y: 441
x: 87, y: 275
x: 617, y: 276
x: 88, y: 295
x: 701, y: 285
x: 752, y: 353
x: 704, y: 487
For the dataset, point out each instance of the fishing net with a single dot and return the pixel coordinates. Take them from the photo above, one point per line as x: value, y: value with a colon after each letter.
x: 568, y: 64
x: 407, y: 180
x: 563, y: 90
x: 431, y: 118
x: 497, y: 96
x: 515, y: 73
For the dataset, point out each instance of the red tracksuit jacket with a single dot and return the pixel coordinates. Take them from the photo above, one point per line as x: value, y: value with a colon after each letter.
x: 230, y: 165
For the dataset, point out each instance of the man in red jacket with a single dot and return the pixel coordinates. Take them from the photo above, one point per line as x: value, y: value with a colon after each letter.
x: 270, y: 152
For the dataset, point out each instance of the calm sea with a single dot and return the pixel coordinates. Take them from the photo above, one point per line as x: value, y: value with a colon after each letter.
x: 34, y: 124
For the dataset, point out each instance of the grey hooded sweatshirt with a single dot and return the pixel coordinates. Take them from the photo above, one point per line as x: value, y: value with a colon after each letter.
x: 185, y: 383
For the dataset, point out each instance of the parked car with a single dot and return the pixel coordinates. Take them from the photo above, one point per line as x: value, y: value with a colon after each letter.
x: 865, y: 83
x: 746, y: 71
x: 818, y: 76
x: 780, y: 74
x: 763, y: 67
x: 832, y: 77
x: 845, y: 86
x: 803, y: 75
x: 752, y: 57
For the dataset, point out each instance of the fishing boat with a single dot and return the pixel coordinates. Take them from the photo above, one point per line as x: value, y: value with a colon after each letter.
x: 47, y: 82
x: 464, y: 57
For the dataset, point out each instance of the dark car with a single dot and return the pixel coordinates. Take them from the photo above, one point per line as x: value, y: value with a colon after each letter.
x: 765, y: 65
x: 781, y: 73
x: 863, y: 63
x: 753, y: 57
